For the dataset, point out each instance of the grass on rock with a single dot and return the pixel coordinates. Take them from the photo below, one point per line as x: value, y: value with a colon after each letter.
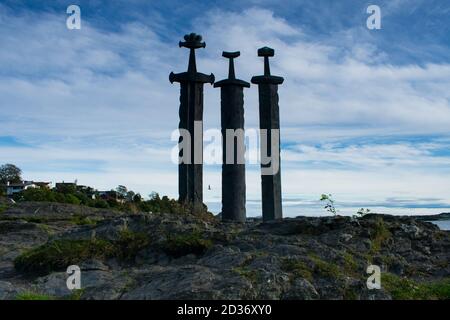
x: 183, y: 244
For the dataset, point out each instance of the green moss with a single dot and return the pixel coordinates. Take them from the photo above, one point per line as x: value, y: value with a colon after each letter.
x: 29, y: 295
x: 297, y: 267
x: 379, y: 236
x: 407, y: 289
x: 247, y: 273
x: 350, y: 265
x: 184, y: 244
x: 325, y: 269
x: 57, y: 255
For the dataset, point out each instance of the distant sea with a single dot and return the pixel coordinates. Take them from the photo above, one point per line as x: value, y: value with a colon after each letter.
x: 316, y: 210
x: 443, y: 224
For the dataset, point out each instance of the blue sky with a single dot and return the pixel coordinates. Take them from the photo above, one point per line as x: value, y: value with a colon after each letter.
x: 365, y: 114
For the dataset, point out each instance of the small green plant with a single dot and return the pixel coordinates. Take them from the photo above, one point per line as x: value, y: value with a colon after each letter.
x: 329, y: 203
x: 362, y: 212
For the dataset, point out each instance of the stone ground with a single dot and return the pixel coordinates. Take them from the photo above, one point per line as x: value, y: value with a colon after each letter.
x: 169, y: 256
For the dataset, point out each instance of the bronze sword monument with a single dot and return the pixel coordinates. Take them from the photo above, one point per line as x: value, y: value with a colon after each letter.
x: 269, y: 117
x: 233, y: 155
x: 190, y: 171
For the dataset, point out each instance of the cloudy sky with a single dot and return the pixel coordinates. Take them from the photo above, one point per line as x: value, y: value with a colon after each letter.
x: 365, y: 114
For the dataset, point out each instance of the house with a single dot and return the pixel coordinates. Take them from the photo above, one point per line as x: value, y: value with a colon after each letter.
x: 110, y: 196
x: 16, y: 187
x: 43, y: 185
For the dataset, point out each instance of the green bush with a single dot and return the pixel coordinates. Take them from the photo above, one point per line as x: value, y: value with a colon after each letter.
x: 130, y: 243
x: 100, y: 203
x: 59, y: 254
x: 72, y: 196
x: 379, y: 236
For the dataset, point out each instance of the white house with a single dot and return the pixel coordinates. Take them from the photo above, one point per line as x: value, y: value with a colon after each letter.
x: 13, y: 188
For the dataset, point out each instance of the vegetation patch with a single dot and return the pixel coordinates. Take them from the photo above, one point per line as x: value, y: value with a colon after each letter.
x: 325, y: 269
x: 129, y: 244
x: 29, y: 295
x: 80, y: 220
x: 59, y: 254
x: 350, y: 294
x: 190, y: 243
x: 407, y: 289
x: 297, y: 267
x: 379, y: 236
x: 76, y: 294
x: 350, y: 265
x: 247, y: 273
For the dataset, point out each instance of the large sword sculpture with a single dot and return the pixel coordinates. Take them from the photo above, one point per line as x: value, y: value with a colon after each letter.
x: 190, y: 169
x: 233, y: 167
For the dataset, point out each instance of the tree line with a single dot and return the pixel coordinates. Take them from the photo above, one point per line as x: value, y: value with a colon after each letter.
x: 125, y: 200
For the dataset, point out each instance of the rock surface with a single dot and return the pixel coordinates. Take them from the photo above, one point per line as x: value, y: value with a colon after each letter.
x: 169, y: 256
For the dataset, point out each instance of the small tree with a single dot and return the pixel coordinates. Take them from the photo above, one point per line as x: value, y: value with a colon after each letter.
x: 122, y: 191
x: 130, y: 196
x: 137, y: 198
x: 329, y: 203
x: 362, y: 212
x: 10, y: 173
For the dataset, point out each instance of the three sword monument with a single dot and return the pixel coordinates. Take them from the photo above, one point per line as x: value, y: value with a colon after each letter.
x: 190, y: 168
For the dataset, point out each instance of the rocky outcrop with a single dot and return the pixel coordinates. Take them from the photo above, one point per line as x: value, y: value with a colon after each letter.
x: 169, y: 256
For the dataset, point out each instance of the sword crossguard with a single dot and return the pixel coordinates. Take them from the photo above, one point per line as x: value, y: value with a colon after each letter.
x: 267, y: 52
x: 231, y: 55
